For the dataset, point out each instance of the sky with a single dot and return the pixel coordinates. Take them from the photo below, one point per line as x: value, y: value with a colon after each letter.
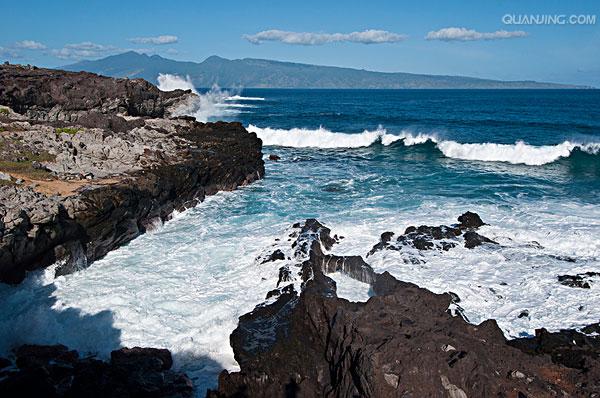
x: 471, y: 38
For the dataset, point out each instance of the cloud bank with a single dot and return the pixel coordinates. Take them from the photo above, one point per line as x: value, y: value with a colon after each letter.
x: 30, y: 45
x: 370, y: 36
x: 464, y: 34
x: 86, y: 49
x: 158, y: 40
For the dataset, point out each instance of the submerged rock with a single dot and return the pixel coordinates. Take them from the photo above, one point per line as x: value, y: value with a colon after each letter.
x: 442, y: 238
x: 276, y: 255
x: 579, y: 280
x: 473, y: 239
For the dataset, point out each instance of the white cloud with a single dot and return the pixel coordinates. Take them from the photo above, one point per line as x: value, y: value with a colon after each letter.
x: 30, y: 45
x: 163, y: 39
x: 464, y: 34
x: 85, y: 49
x: 370, y: 36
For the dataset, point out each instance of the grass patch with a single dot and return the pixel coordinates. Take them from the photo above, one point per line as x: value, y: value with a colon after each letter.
x: 66, y: 130
x: 4, y: 111
x: 25, y: 169
x: 6, y: 183
x: 39, y: 157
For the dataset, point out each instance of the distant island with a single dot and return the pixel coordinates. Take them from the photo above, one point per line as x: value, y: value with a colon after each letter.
x: 261, y: 73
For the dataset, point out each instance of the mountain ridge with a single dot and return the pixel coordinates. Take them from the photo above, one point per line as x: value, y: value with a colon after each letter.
x: 263, y: 73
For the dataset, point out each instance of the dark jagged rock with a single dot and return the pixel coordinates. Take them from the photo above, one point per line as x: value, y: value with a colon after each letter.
x: 285, y: 275
x: 274, y: 157
x: 47, y: 94
x: 276, y: 255
x: 441, y: 238
x: 427, y: 238
x: 403, y: 342
x: 289, y: 289
x: 470, y: 220
x: 56, y: 371
x: 102, y: 165
x: 143, y: 358
x: 309, y: 231
x: 567, y: 347
x: 579, y: 280
x: 473, y: 239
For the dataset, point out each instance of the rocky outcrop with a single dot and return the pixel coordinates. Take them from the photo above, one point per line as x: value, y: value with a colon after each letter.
x: 402, y: 342
x: 81, y: 186
x: 56, y: 371
x: 582, y: 281
x: 441, y: 237
x: 51, y: 95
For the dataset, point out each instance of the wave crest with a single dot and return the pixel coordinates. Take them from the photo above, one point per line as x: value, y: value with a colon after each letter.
x: 517, y: 153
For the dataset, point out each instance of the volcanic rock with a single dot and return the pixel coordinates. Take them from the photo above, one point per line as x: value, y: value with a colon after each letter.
x: 442, y: 238
x: 401, y: 342
x: 579, y: 280
x: 101, y: 163
x: 473, y: 239
x: 56, y: 371
x: 470, y: 220
x: 276, y: 255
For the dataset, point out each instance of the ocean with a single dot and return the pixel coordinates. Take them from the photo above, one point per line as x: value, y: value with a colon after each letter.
x: 362, y: 162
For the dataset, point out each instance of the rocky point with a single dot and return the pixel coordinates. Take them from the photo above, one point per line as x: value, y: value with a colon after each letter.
x: 88, y: 163
x: 304, y: 341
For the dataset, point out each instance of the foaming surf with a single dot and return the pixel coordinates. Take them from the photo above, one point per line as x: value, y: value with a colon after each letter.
x: 241, y: 98
x: 517, y: 153
x: 213, y: 104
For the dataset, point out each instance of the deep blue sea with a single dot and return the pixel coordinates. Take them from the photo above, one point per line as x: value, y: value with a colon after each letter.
x: 363, y: 162
x: 550, y: 139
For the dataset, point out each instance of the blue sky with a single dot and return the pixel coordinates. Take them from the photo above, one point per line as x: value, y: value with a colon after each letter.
x: 55, y: 33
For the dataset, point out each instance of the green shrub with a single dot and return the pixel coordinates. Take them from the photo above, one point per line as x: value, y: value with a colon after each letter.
x: 66, y: 130
x: 4, y: 111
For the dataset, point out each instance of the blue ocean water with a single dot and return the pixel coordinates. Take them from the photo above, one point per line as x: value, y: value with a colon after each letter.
x: 540, y: 118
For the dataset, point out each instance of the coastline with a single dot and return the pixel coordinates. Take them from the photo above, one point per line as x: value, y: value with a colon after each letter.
x: 104, y: 204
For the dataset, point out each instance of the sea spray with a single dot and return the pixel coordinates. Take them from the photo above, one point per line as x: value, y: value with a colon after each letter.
x: 213, y: 104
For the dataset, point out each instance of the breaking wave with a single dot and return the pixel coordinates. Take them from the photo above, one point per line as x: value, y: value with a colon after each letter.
x: 517, y: 153
x: 213, y: 104
x: 240, y: 98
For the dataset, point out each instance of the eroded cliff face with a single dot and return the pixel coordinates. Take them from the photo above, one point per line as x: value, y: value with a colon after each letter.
x: 50, y: 95
x: 304, y: 341
x: 88, y: 163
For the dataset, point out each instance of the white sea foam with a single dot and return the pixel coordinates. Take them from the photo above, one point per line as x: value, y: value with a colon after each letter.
x: 240, y: 98
x: 317, y: 138
x: 517, y: 153
x: 203, y: 106
x: 184, y: 285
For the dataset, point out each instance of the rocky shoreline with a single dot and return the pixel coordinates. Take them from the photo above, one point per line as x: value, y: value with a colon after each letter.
x: 56, y: 371
x: 88, y: 163
x: 405, y: 341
